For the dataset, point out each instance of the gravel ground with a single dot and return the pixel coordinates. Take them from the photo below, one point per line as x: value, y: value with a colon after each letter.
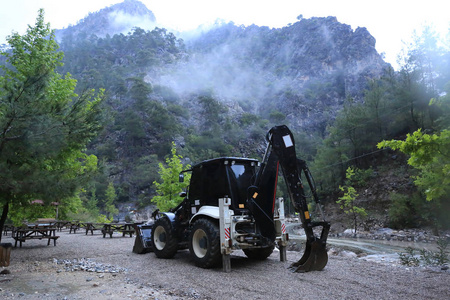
x: 93, y: 267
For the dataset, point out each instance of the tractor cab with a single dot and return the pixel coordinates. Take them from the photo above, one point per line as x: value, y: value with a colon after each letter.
x: 222, y: 177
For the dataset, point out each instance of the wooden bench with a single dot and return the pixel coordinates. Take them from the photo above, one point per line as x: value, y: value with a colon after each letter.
x: 111, y: 231
x: 105, y: 232
x: 92, y: 227
x: 124, y: 228
x: 74, y: 227
x: 35, y: 237
x: 22, y: 235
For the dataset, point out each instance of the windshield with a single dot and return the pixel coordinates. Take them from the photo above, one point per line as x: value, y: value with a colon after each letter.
x: 241, y: 179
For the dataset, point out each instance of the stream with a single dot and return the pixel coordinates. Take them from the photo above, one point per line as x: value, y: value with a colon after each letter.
x: 374, y: 250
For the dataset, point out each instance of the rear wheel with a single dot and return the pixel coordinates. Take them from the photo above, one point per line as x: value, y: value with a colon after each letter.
x: 259, y: 253
x: 204, y: 244
x: 164, y: 240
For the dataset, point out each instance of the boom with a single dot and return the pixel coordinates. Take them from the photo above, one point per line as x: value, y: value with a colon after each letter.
x: 280, y: 152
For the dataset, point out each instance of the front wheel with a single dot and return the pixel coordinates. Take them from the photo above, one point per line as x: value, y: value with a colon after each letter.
x: 165, y: 243
x: 204, y: 244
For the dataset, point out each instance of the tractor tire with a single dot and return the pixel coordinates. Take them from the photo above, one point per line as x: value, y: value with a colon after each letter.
x: 204, y: 244
x: 259, y: 253
x: 165, y: 242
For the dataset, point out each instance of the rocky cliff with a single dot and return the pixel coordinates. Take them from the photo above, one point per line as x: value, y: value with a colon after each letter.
x: 115, y: 19
x: 305, y: 71
x: 214, y: 95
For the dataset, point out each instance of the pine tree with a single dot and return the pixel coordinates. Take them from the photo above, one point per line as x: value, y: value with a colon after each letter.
x: 44, y: 125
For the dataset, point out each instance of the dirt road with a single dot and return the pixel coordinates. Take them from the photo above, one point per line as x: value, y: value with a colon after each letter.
x: 112, y: 271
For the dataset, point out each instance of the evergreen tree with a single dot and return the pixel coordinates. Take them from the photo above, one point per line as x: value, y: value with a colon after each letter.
x: 44, y: 125
x: 170, y: 187
x: 110, y: 197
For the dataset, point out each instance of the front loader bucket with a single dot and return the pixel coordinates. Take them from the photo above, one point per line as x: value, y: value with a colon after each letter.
x: 315, y: 258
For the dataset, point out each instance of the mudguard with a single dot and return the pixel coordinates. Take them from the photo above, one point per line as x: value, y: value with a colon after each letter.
x: 209, y: 211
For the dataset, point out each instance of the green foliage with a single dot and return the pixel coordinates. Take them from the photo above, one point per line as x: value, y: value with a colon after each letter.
x: 212, y: 111
x: 277, y: 117
x: 430, y: 153
x: 168, y: 190
x: 145, y: 118
x: 44, y: 125
x: 442, y: 104
x: 441, y: 257
x: 110, y: 196
x: 394, y: 105
x: 329, y: 165
x: 146, y: 172
x: 103, y: 219
x: 409, y: 257
x: 426, y: 257
x: 92, y: 202
x: 361, y: 177
x: 409, y: 211
x: 207, y: 146
x: 347, y: 201
x: 248, y: 119
x: 31, y: 212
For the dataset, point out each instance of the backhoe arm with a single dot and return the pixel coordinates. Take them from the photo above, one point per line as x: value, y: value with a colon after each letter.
x: 281, y: 143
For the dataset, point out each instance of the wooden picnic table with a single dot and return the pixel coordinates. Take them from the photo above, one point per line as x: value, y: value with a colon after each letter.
x: 93, y: 226
x: 75, y: 225
x: 8, y: 227
x: 33, y: 232
x: 60, y: 224
x: 125, y: 228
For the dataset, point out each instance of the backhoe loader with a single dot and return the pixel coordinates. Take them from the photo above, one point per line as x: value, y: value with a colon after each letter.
x: 231, y: 204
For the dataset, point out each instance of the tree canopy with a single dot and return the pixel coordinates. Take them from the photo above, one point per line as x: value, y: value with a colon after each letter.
x: 44, y: 125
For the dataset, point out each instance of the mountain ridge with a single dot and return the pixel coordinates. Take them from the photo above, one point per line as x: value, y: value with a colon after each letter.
x: 216, y: 94
x: 115, y: 19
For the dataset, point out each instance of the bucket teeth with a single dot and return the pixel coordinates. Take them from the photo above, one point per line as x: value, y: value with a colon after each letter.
x: 315, y: 258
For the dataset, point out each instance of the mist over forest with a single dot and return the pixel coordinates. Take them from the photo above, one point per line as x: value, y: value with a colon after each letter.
x: 216, y: 92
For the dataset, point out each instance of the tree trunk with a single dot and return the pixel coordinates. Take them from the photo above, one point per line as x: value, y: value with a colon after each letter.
x: 3, y: 218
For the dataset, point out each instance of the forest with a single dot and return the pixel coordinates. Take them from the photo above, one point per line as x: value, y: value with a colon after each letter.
x: 101, y: 113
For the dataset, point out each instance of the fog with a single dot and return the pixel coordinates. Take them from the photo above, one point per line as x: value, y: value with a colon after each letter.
x: 121, y: 22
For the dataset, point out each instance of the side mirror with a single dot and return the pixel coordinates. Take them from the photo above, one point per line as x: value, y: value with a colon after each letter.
x: 181, y: 177
x: 182, y: 194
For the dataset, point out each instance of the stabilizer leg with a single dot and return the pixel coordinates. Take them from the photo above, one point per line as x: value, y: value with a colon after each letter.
x: 226, y: 263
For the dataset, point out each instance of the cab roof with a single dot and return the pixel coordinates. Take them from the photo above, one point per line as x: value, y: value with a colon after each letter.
x: 226, y: 160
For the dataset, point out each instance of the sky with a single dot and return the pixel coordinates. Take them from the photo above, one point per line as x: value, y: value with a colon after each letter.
x: 391, y: 22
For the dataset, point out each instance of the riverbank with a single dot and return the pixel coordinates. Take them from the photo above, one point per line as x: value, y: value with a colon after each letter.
x: 388, y: 234
x: 419, y: 236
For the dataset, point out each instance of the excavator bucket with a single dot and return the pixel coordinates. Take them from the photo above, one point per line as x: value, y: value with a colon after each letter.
x: 315, y: 257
